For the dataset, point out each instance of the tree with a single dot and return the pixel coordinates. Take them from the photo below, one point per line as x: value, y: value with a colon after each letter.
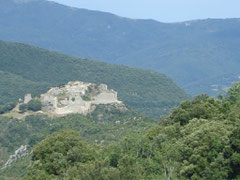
x: 203, y: 146
x: 58, y: 152
x: 234, y: 92
x: 34, y: 105
x: 130, y: 169
x: 7, y: 107
x: 200, y: 107
x: 94, y: 170
x: 23, y: 107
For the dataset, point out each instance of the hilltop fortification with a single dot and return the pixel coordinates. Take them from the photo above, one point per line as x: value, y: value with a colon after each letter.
x: 76, y: 97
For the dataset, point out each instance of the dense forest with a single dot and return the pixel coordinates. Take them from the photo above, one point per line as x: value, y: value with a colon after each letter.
x: 157, y: 132
x: 199, y: 139
x: 34, y: 70
x: 107, y: 124
x: 193, y: 53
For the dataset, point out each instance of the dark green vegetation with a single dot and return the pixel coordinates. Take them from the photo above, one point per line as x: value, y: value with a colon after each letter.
x: 26, y: 69
x: 33, y: 105
x: 195, y: 54
x: 106, y: 125
x: 16, y: 170
x: 7, y: 107
x: 13, y: 86
x: 198, y: 140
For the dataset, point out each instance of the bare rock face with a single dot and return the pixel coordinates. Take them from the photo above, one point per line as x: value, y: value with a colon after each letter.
x: 77, y: 97
x: 27, y: 98
x: 19, y: 153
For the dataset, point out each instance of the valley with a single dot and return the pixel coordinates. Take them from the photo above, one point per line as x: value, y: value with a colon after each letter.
x: 89, y: 95
x: 192, y: 53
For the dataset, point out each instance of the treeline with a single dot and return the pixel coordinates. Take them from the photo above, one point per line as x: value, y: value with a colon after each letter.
x: 107, y: 124
x: 33, y: 105
x: 28, y: 69
x: 7, y: 107
x: 200, y: 139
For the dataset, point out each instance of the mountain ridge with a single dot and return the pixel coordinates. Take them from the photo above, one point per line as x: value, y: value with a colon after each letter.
x: 188, y: 52
x: 38, y: 70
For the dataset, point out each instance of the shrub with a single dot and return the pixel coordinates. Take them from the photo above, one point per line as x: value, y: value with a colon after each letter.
x: 7, y: 107
x: 34, y: 105
x: 23, y: 107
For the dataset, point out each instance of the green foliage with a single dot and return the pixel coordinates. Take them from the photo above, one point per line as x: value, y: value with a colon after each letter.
x: 23, y: 108
x: 203, y: 149
x: 192, y: 54
x: 16, y: 170
x: 99, y: 127
x: 28, y: 69
x: 13, y: 134
x: 234, y: 93
x: 34, y: 105
x: 86, y: 98
x: 200, y: 107
x: 65, y: 155
x: 13, y: 87
x: 95, y: 170
x: 130, y: 169
x: 59, y: 151
x: 198, y: 140
x: 7, y: 107
x: 235, y: 157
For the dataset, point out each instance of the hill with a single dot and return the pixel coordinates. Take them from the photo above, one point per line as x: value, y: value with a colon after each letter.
x: 27, y: 69
x: 198, y: 140
x: 201, y: 53
x: 108, y: 123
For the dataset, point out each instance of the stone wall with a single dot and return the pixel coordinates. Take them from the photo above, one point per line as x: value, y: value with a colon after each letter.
x: 27, y: 98
x: 77, y: 97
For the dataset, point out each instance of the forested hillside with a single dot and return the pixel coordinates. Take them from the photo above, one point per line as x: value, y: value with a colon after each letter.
x: 201, y: 56
x: 85, y: 119
x: 107, y: 124
x: 26, y: 69
x: 198, y: 140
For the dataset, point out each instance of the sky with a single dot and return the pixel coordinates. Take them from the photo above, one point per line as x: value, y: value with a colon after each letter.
x: 162, y: 10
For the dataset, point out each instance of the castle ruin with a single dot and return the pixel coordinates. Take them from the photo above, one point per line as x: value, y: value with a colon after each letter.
x: 77, y: 97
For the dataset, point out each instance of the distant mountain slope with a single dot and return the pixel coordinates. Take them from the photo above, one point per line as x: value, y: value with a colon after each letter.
x: 27, y: 69
x: 14, y: 86
x: 191, y: 53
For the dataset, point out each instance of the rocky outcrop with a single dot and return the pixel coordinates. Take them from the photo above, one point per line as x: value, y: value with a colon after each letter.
x: 77, y: 97
x: 19, y: 153
x: 27, y: 98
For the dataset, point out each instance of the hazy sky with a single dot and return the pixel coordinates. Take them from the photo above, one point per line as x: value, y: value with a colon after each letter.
x: 163, y: 10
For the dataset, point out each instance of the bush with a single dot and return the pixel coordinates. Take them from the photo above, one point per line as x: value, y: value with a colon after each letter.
x: 34, y: 105
x: 86, y: 98
x: 23, y: 107
x: 7, y: 107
